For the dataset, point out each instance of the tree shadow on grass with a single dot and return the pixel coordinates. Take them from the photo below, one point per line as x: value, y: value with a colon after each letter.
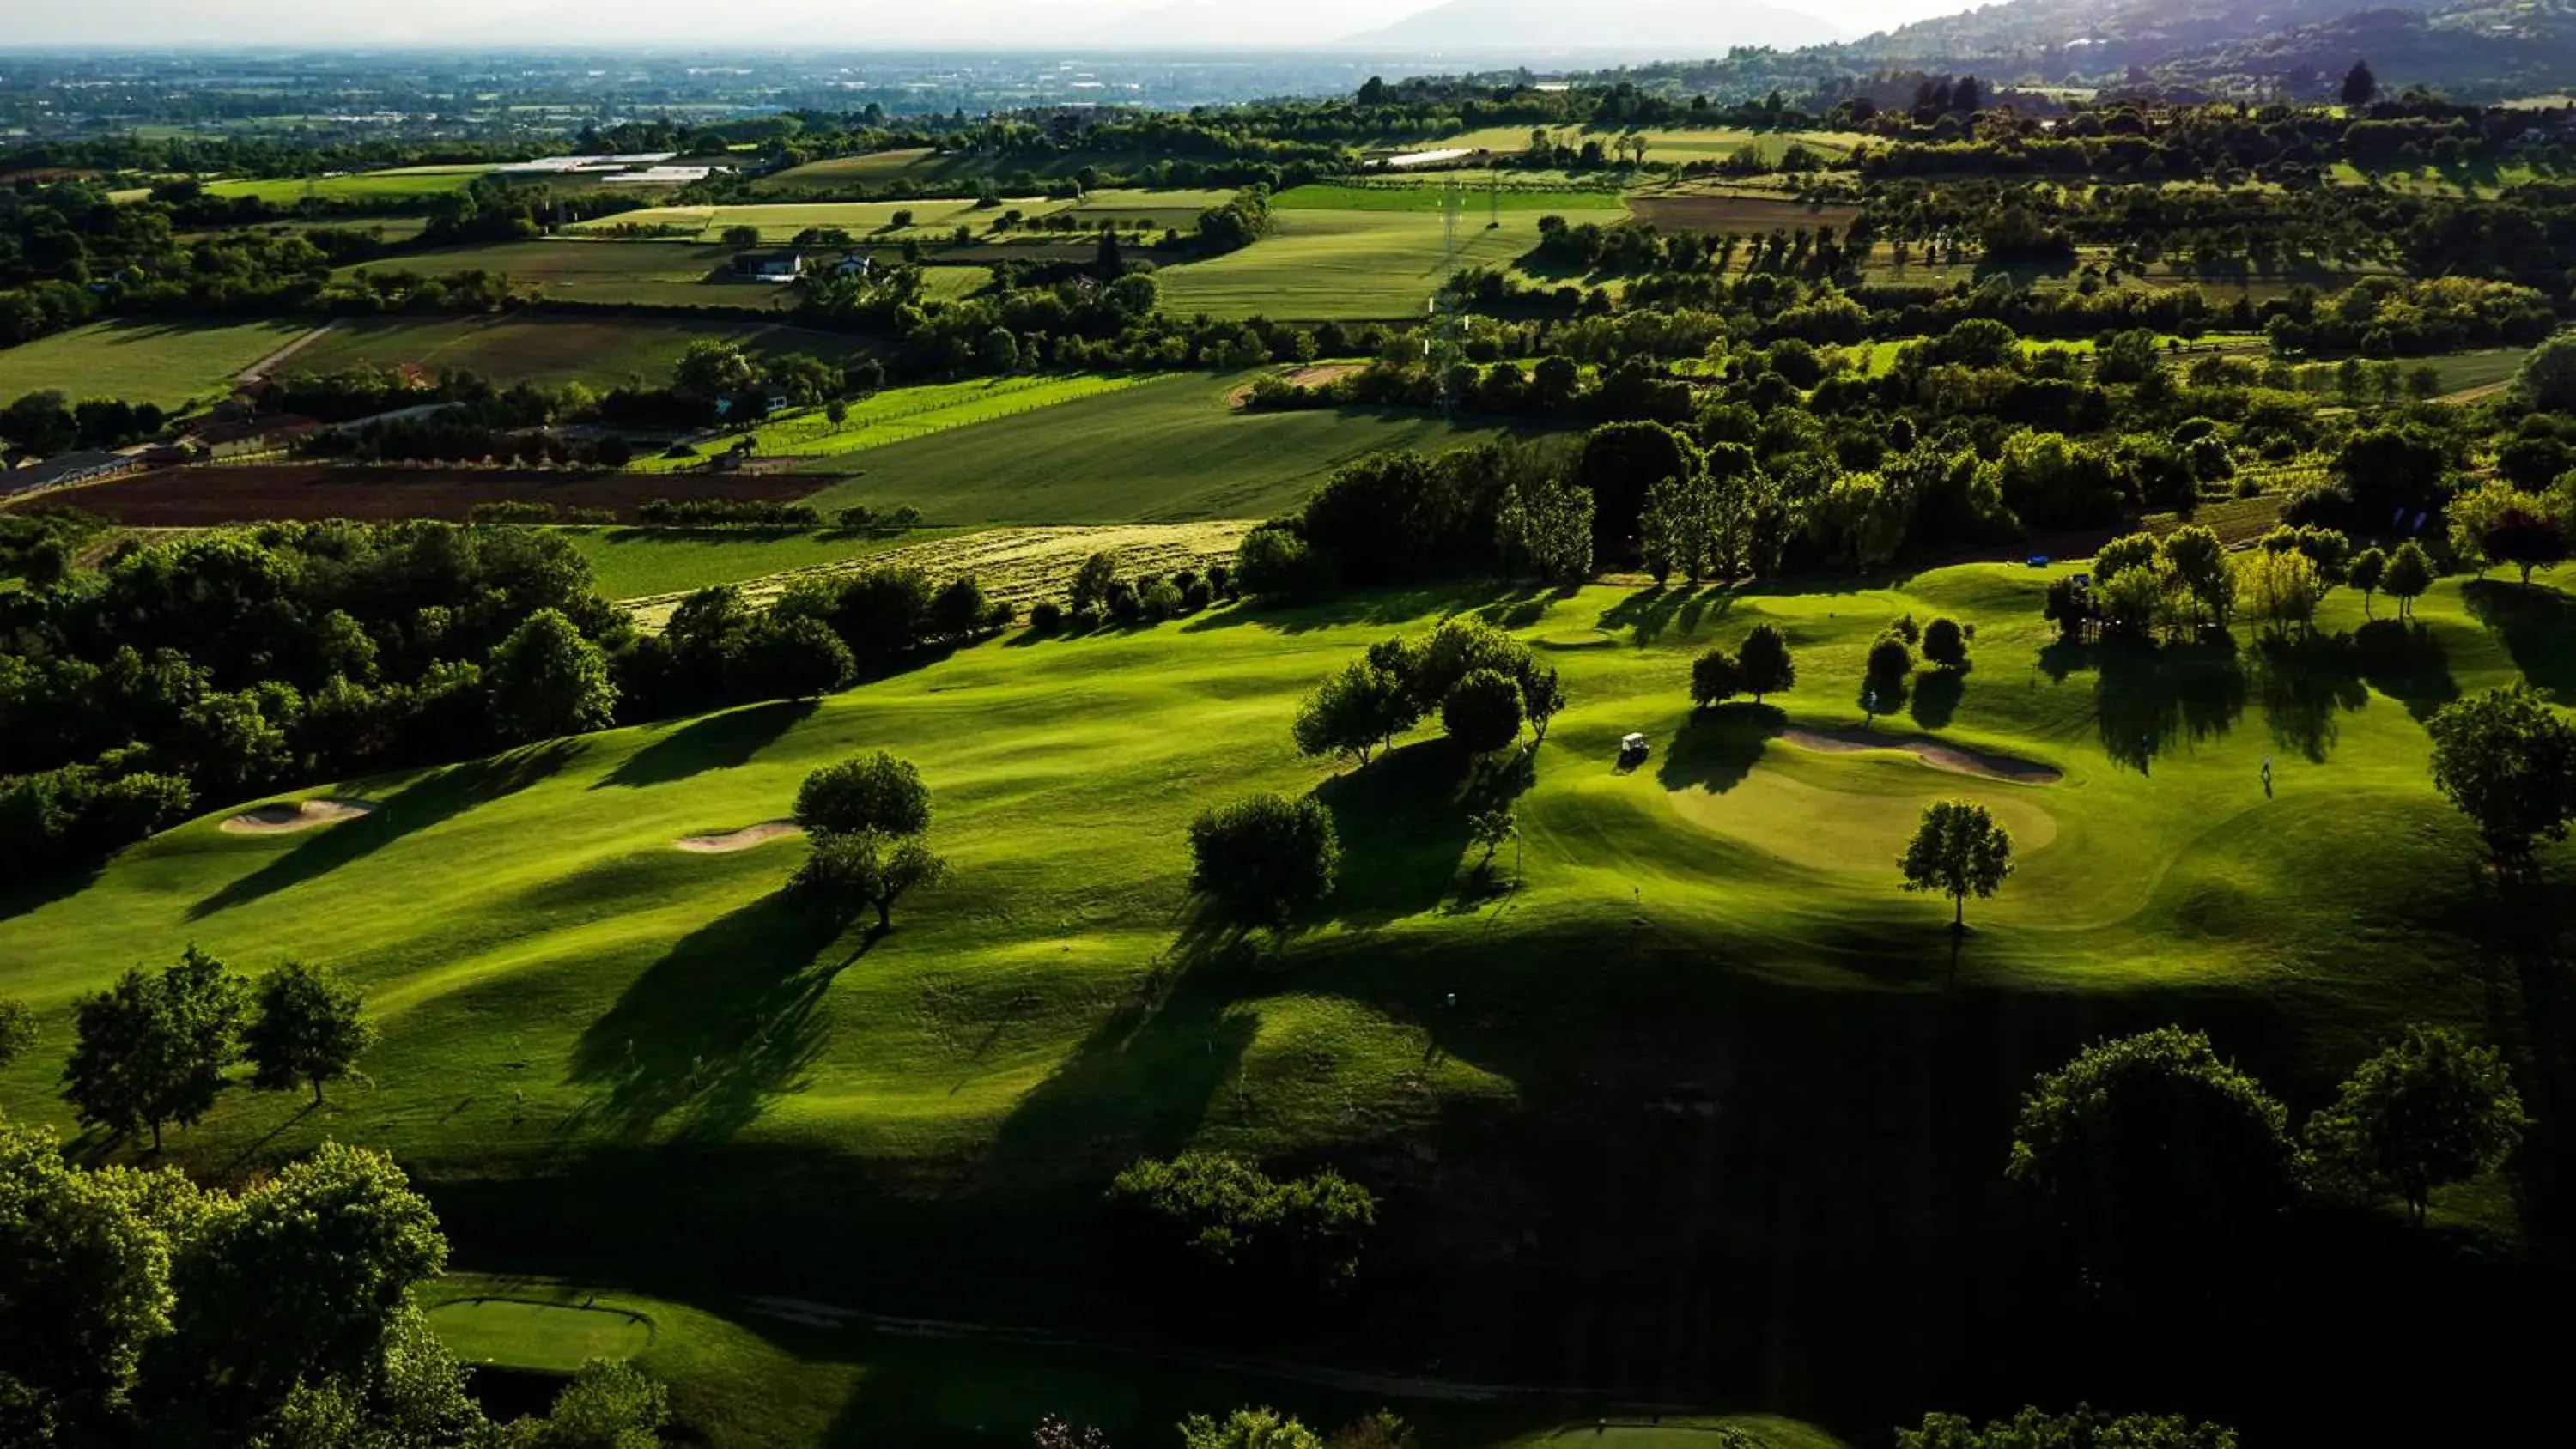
x: 1403, y: 824
x: 2537, y: 627
x: 717, y: 742
x: 1375, y: 606
x: 2304, y: 679
x: 2406, y: 662
x: 1715, y: 748
x: 417, y: 806
x: 728, y: 1018
x: 2150, y: 699
x: 1936, y: 697
x: 1646, y: 615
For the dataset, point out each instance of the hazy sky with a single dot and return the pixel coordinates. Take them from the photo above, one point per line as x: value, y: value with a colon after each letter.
x: 1088, y: 23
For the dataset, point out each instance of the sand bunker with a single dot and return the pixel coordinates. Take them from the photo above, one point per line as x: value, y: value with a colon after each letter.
x: 1931, y: 752
x: 743, y: 839
x: 295, y: 815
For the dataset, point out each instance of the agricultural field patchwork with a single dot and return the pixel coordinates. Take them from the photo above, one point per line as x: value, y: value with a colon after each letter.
x: 648, y: 273
x: 1349, y: 265
x: 598, y: 352
x: 900, y: 414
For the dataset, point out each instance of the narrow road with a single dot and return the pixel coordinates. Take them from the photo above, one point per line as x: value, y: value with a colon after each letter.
x: 260, y: 369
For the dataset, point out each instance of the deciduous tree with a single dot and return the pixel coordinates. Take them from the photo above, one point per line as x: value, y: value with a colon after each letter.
x: 1959, y: 851
x: 1765, y: 661
x: 2508, y: 762
x: 2432, y: 1110
x: 867, y: 792
x: 547, y: 680
x: 1482, y: 711
x: 152, y: 1049
x: 306, y: 1028
x: 846, y: 870
x: 1265, y: 859
x: 1357, y: 712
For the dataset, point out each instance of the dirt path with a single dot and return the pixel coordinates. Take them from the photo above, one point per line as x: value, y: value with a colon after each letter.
x: 1931, y: 752
x: 261, y: 368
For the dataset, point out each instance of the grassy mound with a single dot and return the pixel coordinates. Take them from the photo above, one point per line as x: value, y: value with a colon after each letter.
x: 591, y: 1038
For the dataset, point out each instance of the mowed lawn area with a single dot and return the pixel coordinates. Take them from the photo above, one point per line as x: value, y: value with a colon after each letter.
x: 1169, y: 450
x: 903, y: 413
x: 158, y: 362
x: 602, y: 352
x: 657, y: 273
x: 1350, y: 265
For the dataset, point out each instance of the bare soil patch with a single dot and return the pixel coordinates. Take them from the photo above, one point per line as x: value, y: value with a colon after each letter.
x: 733, y: 840
x: 1938, y: 755
x: 291, y: 815
x: 206, y: 496
x: 1312, y: 375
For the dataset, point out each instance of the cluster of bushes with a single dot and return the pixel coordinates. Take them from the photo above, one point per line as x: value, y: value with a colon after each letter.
x: 726, y: 513
x: 820, y: 635
x: 45, y: 423
x: 39, y: 544
x: 222, y: 665
x: 443, y: 439
x: 1237, y: 224
x: 1099, y: 594
x: 1483, y: 683
x: 1251, y: 1230
x: 512, y: 511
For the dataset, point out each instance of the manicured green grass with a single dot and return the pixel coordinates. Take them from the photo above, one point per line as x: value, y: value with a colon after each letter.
x: 632, y: 563
x: 1167, y: 450
x: 655, y: 273
x: 158, y: 362
x: 630, y: 1061
x: 527, y: 1332
x: 786, y: 1376
x: 401, y: 183
x: 1349, y: 265
x: 600, y: 352
x: 900, y: 414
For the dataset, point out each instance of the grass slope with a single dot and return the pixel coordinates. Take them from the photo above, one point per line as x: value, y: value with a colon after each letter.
x: 651, y: 273
x: 593, y: 1041
x: 398, y: 183
x: 1169, y: 450
x: 900, y: 414
x: 160, y: 362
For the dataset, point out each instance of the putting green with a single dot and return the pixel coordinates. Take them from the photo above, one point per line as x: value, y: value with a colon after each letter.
x: 1854, y: 816
x: 527, y: 1334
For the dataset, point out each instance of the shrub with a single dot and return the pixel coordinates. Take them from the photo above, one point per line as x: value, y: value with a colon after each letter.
x: 1265, y: 859
x: 1482, y: 711
x: 1228, y: 1213
x: 1046, y: 616
x: 872, y: 792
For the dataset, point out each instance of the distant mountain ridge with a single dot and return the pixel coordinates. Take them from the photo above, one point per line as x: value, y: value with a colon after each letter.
x: 1640, y: 27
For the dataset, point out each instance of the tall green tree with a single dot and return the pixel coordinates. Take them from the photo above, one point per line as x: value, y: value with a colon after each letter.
x: 608, y: 1405
x: 1482, y: 711
x: 546, y: 680
x: 1357, y: 712
x: 2409, y: 574
x: 2360, y: 87
x: 2507, y: 761
x: 846, y: 870
x: 1715, y: 679
x: 17, y: 1030
x: 1960, y: 851
x: 152, y: 1049
x: 1765, y: 661
x: 1542, y: 698
x: 84, y: 1287
x: 306, y: 1029
x: 1265, y: 858
x: 2151, y: 1152
x: 2432, y: 1110
x: 2367, y: 571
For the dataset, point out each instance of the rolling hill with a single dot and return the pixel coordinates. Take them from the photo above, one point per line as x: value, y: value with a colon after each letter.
x: 1643, y: 27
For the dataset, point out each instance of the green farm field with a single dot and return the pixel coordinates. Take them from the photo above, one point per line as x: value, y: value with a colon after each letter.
x: 590, y: 1035
x: 394, y: 184
x: 1475, y: 199
x: 1168, y: 450
x: 905, y: 413
x: 651, y: 273
x: 866, y: 220
x: 602, y: 352
x: 1350, y: 265
x: 168, y: 363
